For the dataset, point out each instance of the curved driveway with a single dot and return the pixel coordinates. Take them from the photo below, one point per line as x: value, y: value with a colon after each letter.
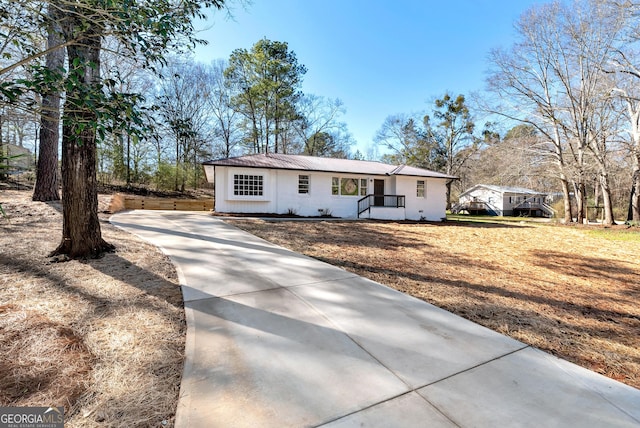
x: 277, y: 339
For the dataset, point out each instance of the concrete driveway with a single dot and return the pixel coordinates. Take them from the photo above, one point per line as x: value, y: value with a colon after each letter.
x: 277, y: 339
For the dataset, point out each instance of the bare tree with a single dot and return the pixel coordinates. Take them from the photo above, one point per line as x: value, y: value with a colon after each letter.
x: 591, y: 29
x: 624, y: 63
x: 410, y: 141
x: 185, y: 110
x: 319, y: 124
x: 528, y: 90
x: 218, y: 94
x: 511, y: 161
x: 555, y: 81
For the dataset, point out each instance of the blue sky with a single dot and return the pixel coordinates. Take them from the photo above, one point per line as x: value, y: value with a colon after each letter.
x: 379, y: 57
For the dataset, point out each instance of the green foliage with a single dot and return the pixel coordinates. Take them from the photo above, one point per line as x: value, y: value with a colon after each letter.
x: 325, y: 144
x: 165, y: 176
x: 358, y: 155
x: 5, y: 160
x: 413, y: 143
x: 453, y: 128
x: 624, y: 235
x: 521, y: 131
x: 266, y: 81
x: 145, y: 30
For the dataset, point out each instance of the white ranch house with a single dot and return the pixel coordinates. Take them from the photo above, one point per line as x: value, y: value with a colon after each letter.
x: 314, y: 186
x: 503, y: 201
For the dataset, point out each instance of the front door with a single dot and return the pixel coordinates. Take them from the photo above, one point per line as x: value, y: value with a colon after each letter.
x: 378, y: 193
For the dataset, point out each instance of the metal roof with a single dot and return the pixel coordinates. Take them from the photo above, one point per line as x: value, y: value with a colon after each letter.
x: 504, y: 189
x: 313, y: 163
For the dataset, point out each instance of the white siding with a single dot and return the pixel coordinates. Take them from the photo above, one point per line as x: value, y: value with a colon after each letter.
x: 227, y: 202
x: 432, y: 207
x: 280, y: 194
x: 385, y: 213
x: 319, y: 199
x: 494, y: 200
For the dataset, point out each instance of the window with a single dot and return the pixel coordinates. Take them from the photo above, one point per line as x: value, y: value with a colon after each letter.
x: 247, y: 185
x: 341, y: 186
x: 303, y: 184
x: 349, y: 186
x: 335, y: 186
x: 363, y: 187
x: 420, y: 189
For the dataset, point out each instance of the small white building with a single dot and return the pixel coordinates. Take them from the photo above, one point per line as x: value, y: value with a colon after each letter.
x: 313, y: 186
x: 503, y: 201
x: 19, y: 158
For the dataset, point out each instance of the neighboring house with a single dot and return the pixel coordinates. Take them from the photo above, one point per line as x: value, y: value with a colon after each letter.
x: 505, y: 201
x: 16, y: 158
x: 313, y: 186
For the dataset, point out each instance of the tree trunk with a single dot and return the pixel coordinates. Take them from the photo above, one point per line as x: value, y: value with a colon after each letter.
x: 634, y: 199
x: 81, y: 234
x: 158, y: 161
x: 3, y: 152
x: 128, y: 160
x: 47, y: 180
x: 579, y: 193
x: 606, y: 200
x: 117, y: 157
x: 596, y: 190
x: 566, y: 197
x: 175, y: 186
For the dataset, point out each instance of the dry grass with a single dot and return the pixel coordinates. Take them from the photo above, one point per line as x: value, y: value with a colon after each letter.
x: 104, y: 338
x: 566, y: 290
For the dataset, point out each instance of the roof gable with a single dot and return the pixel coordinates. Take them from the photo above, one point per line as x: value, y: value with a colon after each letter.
x: 313, y: 163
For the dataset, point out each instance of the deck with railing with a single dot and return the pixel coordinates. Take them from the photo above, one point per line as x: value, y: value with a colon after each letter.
x: 531, y: 207
x: 472, y: 207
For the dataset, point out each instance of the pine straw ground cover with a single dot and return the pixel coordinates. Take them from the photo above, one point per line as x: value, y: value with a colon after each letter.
x: 104, y: 338
x: 571, y: 291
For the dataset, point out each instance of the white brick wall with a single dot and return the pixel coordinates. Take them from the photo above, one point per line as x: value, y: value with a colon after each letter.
x: 280, y: 194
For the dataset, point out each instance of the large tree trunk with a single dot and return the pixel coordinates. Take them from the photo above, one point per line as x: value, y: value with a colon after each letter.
x: 566, y: 197
x: 81, y: 234
x: 47, y: 181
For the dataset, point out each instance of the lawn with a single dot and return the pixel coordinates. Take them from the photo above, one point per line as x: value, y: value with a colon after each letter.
x: 104, y: 338
x: 572, y: 291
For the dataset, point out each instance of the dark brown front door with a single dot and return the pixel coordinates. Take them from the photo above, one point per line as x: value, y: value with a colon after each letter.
x: 378, y: 192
